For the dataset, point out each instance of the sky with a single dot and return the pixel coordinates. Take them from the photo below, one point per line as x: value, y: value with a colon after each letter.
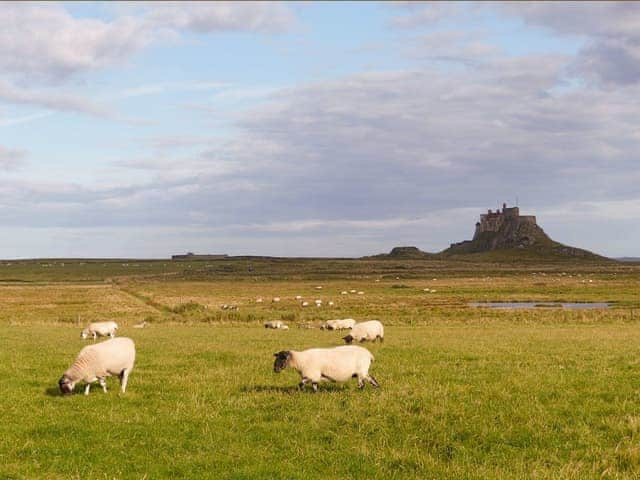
x: 314, y: 129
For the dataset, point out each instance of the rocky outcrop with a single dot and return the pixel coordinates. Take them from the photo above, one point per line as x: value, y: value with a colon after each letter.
x: 506, y: 229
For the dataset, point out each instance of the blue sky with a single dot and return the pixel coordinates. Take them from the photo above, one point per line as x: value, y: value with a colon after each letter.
x: 313, y: 129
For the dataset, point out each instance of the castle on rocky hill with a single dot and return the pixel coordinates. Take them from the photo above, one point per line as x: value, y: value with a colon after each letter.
x: 493, y: 221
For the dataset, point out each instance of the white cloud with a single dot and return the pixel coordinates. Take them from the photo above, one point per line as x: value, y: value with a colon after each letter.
x: 44, y: 42
x: 10, y: 159
x: 52, y: 100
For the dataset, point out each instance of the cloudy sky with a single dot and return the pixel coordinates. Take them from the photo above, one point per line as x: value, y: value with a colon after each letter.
x: 314, y: 129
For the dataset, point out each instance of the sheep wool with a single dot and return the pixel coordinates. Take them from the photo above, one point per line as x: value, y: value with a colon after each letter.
x: 338, y: 364
x: 96, y: 362
x: 371, y: 330
x: 99, y: 329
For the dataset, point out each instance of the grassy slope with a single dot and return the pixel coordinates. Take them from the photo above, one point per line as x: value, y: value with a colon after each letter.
x: 485, y: 401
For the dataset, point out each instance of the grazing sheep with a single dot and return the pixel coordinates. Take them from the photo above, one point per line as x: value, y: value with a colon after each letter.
x: 259, y: 300
x: 275, y: 299
x: 331, y: 304
x: 298, y: 297
x: 344, y: 292
x: 96, y: 362
x: 141, y: 325
x: 338, y: 364
x: 99, y: 329
x: 371, y: 330
x: 360, y: 293
x: 276, y: 324
x: 352, y: 291
x: 304, y: 304
x: 319, y: 287
x: 344, y: 324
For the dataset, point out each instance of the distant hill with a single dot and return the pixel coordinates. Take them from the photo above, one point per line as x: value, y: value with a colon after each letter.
x: 628, y: 259
x: 507, y: 230
x: 502, y: 235
x: 404, y: 253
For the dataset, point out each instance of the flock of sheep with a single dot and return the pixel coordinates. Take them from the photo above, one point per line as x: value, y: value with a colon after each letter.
x: 116, y: 356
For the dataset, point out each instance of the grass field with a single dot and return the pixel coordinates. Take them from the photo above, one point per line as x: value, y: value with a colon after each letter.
x: 465, y: 392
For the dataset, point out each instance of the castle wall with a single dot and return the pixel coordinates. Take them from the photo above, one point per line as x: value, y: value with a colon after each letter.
x: 493, y: 221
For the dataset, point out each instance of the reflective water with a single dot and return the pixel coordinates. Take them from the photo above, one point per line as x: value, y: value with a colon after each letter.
x: 565, y: 305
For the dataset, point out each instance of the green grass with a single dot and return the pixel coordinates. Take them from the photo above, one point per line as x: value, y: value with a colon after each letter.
x: 457, y: 401
x: 466, y: 392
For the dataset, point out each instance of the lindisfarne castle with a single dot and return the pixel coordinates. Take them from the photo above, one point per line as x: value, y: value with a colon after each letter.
x: 493, y: 221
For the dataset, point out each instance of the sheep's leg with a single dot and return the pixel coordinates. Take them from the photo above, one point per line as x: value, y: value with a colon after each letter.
x: 303, y: 382
x: 103, y: 384
x: 315, y: 386
x: 360, y: 381
x: 381, y: 338
x: 124, y: 378
x: 373, y: 381
x: 86, y: 388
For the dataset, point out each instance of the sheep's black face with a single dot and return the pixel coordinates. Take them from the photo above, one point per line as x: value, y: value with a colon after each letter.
x: 348, y: 339
x: 66, y: 386
x: 281, y: 361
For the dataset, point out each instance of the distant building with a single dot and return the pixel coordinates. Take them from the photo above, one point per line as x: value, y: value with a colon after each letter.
x: 493, y: 221
x: 193, y: 256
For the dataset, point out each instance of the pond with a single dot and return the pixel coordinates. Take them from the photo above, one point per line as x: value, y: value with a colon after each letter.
x: 565, y: 305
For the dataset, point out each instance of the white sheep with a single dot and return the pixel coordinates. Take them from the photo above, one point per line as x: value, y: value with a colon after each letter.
x: 259, y: 300
x: 344, y: 292
x: 99, y: 329
x: 99, y: 361
x: 371, y: 330
x: 338, y: 364
x: 298, y: 297
x: 275, y: 299
x: 141, y: 325
x: 344, y: 324
x: 304, y: 304
x: 276, y: 324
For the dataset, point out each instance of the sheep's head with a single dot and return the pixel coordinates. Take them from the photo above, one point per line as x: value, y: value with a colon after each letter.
x: 66, y: 385
x: 282, y: 360
x: 348, y: 338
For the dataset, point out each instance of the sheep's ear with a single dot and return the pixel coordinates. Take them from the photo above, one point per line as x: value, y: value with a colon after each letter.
x: 276, y: 354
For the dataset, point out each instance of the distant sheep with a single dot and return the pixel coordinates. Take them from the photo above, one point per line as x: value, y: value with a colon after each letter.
x: 344, y: 292
x: 344, y: 324
x: 96, y: 362
x: 141, y: 325
x: 276, y: 325
x: 259, y: 300
x: 99, y: 329
x: 298, y: 297
x: 275, y: 299
x: 371, y: 330
x: 304, y: 304
x: 338, y: 364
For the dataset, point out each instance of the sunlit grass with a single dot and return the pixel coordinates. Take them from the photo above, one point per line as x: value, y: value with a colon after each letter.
x: 478, y: 401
